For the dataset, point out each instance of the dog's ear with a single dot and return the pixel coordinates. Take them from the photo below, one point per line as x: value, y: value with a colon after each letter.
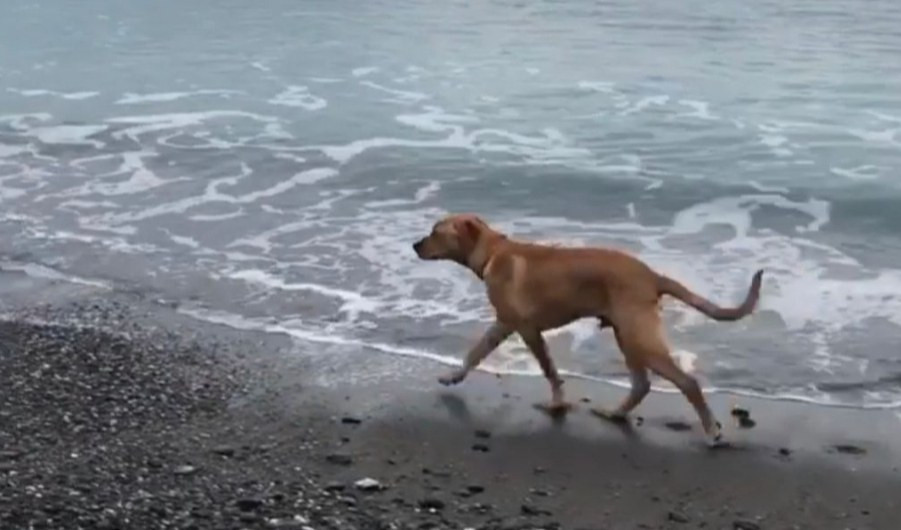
x: 468, y: 230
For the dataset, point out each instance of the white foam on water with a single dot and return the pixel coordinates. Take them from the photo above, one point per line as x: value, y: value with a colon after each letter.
x: 263, y: 240
x: 885, y: 136
x: 69, y: 134
x: 404, y: 96
x: 881, y: 116
x: 299, y: 96
x: 210, y: 194
x: 73, y: 96
x: 686, y: 360
x: 139, y: 125
x: 9, y: 193
x: 164, y: 97
x: 212, y: 218
x: 364, y: 71
x: 105, y: 240
x: 550, y: 146
x: 773, y: 140
x: 314, y: 335
x: 597, y: 86
x: 36, y: 270
x: 422, y: 195
x: 778, y: 144
x: 184, y: 241
x: 736, y: 211
x: 645, y: 103
x: 864, y: 172
x: 140, y: 180
x: 7, y: 151
x: 351, y: 302
x: 310, y: 176
x: 700, y: 110
x: 766, y: 188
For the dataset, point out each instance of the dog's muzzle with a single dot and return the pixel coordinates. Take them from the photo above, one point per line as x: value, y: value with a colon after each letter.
x: 417, y: 246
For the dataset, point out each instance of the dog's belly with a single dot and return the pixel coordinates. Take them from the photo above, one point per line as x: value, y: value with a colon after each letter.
x: 543, y: 311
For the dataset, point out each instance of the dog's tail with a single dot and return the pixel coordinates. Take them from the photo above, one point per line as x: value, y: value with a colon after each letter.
x: 675, y: 289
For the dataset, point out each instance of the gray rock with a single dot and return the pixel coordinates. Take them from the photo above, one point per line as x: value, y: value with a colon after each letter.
x: 248, y: 505
x: 339, y: 459
x: 368, y: 484
x: 431, y: 503
x: 185, y: 470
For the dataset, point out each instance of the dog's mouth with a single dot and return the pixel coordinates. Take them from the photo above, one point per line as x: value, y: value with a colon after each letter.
x: 419, y: 247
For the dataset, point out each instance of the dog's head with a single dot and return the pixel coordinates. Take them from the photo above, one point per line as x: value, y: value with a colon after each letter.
x: 453, y: 238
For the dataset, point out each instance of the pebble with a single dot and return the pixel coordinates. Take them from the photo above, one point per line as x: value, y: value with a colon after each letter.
x: 745, y: 525
x: 224, y: 450
x: 432, y: 504
x: 339, y: 459
x: 185, y: 470
x: 248, y: 505
x: 531, y: 510
x: 738, y: 412
x: 677, y: 517
x: 368, y: 484
x: 334, y: 487
x: 746, y: 423
x: 849, y: 449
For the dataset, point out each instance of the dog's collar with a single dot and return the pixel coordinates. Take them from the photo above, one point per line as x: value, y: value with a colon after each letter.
x: 491, y: 252
x: 481, y: 272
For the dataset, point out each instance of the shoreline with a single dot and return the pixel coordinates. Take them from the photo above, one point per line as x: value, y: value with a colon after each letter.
x: 260, y: 432
x: 430, y: 358
x: 20, y: 283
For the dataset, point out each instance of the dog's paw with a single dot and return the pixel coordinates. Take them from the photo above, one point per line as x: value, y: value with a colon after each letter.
x: 555, y: 409
x: 610, y: 415
x: 715, y: 438
x: 452, y: 378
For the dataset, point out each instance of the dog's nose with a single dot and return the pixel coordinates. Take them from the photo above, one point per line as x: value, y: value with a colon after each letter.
x: 417, y: 245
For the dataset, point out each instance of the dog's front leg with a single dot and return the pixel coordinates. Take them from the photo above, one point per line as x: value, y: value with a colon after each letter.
x: 492, y: 338
x: 558, y: 404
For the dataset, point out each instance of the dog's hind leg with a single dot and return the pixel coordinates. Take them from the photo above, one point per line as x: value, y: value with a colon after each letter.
x: 640, y: 387
x: 642, y: 341
x: 558, y: 404
x: 490, y: 340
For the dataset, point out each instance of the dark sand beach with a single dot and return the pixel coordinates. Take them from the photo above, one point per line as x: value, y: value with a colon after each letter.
x: 118, y: 413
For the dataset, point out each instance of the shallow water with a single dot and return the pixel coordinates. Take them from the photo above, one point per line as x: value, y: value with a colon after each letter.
x: 268, y: 165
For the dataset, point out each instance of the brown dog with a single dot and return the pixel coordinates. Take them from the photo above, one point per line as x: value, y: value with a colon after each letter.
x: 535, y: 288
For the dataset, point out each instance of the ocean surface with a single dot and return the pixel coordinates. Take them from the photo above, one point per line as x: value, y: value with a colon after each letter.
x: 267, y: 165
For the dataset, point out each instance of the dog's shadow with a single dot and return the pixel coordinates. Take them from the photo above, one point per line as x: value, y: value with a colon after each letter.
x: 457, y: 407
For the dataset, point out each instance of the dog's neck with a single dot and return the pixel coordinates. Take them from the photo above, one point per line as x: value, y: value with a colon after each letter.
x: 485, y: 250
